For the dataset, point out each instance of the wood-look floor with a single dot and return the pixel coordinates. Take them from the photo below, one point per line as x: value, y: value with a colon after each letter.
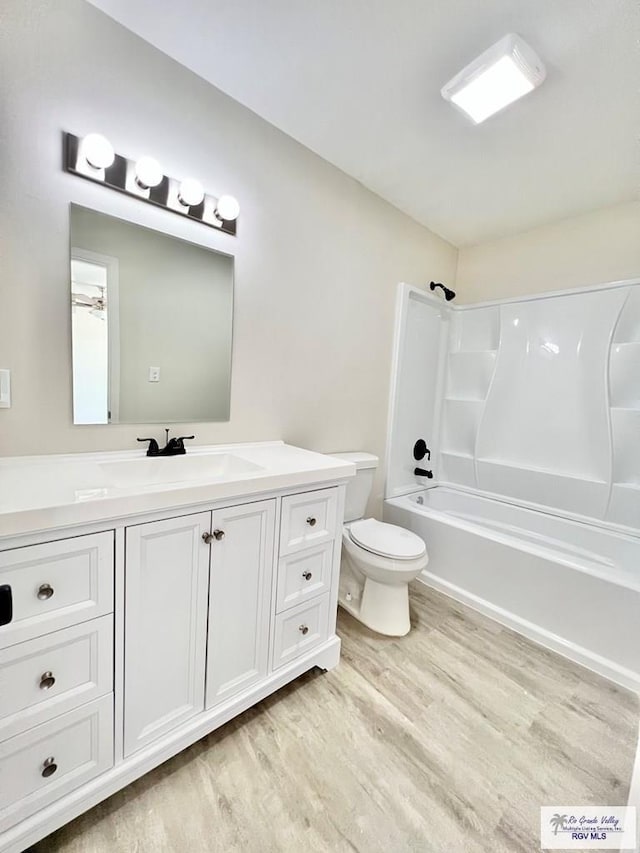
x: 448, y: 740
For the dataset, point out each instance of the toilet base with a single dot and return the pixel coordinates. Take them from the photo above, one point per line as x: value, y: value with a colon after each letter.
x: 383, y: 608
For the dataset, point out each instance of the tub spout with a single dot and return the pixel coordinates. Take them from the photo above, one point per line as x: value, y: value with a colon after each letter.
x: 422, y: 472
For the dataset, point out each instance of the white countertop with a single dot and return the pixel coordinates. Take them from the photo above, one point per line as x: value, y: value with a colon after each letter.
x: 40, y: 493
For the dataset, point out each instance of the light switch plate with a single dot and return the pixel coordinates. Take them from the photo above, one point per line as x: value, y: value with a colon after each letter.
x: 5, y: 389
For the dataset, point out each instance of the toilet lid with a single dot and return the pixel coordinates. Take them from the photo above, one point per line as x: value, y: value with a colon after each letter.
x: 387, y: 540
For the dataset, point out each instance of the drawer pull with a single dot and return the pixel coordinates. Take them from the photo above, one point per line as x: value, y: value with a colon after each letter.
x: 311, y: 521
x: 47, y: 680
x: 207, y: 538
x: 307, y: 576
x: 218, y: 534
x: 49, y: 767
x: 45, y: 591
x: 304, y: 629
x: 6, y: 604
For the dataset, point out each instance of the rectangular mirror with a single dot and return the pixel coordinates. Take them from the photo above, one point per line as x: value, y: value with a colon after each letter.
x: 152, y: 320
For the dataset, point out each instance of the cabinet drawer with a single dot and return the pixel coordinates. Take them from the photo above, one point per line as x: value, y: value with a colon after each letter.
x: 291, y: 638
x: 47, y: 762
x: 303, y: 575
x: 55, y: 585
x: 51, y: 675
x: 308, y: 519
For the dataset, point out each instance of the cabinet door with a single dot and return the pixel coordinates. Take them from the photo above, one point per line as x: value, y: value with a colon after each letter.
x: 239, y: 598
x: 167, y: 570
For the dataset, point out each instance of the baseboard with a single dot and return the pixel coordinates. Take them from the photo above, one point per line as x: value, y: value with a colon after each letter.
x: 626, y: 678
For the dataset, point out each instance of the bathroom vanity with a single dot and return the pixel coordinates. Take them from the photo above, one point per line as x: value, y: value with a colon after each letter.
x: 145, y: 602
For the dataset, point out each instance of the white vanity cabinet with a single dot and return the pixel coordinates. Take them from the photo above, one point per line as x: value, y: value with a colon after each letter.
x: 166, y: 584
x: 239, y: 593
x: 122, y: 643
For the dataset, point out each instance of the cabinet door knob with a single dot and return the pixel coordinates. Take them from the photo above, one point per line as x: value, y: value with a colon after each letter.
x: 45, y: 591
x: 47, y: 680
x: 207, y: 538
x: 49, y: 767
x: 304, y: 629
x: 218, y: 534
x: 311, y: 521
x: 307, y: 576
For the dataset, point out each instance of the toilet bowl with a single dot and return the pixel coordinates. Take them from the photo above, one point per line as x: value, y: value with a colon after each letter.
x: 379, y: 560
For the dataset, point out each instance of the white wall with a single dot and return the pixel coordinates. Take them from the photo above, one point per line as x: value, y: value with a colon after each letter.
x: 597, y: 247
x: 317, y: 256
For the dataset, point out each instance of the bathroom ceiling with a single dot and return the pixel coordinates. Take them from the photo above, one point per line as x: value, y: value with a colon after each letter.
x: 359, y: 83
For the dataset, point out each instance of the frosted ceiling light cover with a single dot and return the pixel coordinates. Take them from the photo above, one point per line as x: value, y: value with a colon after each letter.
x: 505, y: 72
x: 148, y: 172
x: 191, y: 192
x: 98, y: 151
x: 227, y: 208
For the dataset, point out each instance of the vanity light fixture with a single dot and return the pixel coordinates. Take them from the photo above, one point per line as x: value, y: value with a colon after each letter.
x: 98, y: 151
x: 148, y: 173
x: 191, y: 192
x: 227, y: 208
x: 505, y: 72
x: 93, y: 157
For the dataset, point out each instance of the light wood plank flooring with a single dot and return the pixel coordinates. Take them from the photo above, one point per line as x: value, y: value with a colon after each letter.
x: 447, y: 740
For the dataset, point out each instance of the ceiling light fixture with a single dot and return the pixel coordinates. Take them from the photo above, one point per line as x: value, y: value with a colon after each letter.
x: 505, y: 72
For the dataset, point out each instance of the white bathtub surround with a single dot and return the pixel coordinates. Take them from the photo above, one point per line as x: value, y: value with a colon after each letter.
x: 530, y: 409
x: 378, y: 560
x: 231, y: 559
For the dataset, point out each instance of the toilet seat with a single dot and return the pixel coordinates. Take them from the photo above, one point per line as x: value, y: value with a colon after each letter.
x: 387, y: 540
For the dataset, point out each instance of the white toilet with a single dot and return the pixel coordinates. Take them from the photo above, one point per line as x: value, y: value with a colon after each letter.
x: 378, y: 560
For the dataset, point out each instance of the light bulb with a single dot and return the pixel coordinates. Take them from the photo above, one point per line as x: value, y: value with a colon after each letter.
x: 190, y: 193
x: 148, y: 173
x: 227, y: 208
x: 98, y: 151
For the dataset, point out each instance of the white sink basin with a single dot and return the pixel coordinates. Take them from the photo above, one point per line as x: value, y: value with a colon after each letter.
x: 164, y: 470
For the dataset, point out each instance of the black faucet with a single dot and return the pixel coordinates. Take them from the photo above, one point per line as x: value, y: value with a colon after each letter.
x: 420, y: 450
x: 173, y: 447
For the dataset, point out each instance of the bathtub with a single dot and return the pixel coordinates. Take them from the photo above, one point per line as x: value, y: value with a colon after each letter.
x: 568, y: 585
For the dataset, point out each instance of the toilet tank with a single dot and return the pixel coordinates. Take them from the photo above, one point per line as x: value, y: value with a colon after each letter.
x: 358, y: 488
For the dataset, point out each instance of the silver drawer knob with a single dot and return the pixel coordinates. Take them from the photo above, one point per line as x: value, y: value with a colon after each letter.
x: 207, y: 538
x: 307, y: 576
x: 311, y: 521
x: 304, y: 629
x: 218, y: 534
x: 49, y: 767
x: 45, y: 591
x: 47, y: 680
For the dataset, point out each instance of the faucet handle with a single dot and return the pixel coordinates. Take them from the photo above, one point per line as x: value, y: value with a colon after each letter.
x: 181, y: 439
x: 420, y: 450
x: 153, y: 448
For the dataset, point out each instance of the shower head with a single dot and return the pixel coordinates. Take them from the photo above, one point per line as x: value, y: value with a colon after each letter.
x: 448, y: 294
